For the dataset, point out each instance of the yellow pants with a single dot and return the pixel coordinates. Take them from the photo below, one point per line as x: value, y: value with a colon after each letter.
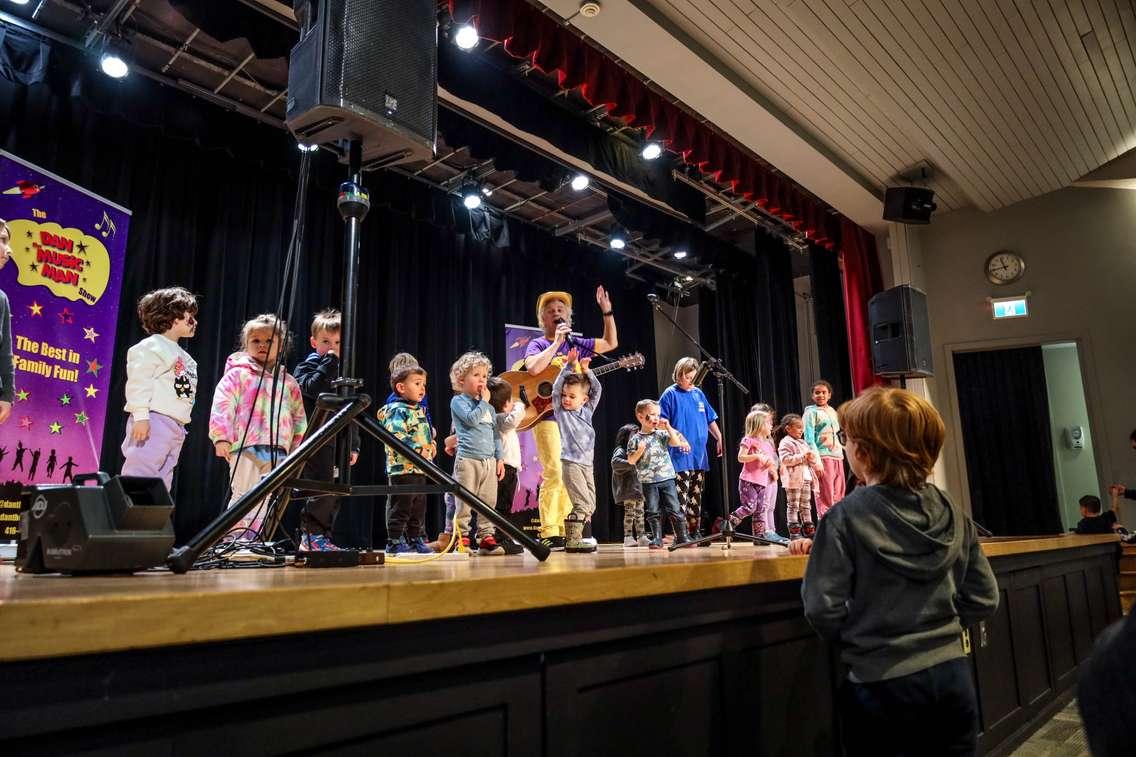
x: 553, y: 502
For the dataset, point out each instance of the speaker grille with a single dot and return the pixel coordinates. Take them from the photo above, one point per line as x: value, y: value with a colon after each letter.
x: 382, y: 57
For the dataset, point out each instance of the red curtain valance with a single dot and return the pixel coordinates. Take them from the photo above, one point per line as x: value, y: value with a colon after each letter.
x: 528, y: 33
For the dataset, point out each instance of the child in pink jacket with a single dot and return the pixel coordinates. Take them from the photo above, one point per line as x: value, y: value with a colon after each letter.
x: 800, y: 475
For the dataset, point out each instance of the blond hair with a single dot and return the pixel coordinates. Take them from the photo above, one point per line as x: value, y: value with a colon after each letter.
x: 402, y: 360
x: 643, y: 405
x: 466, y: 363
x: 898, y: 434
x: 264, y: 322
x: 329, y: 320
x: 684, y: 366
x: 755, y: 421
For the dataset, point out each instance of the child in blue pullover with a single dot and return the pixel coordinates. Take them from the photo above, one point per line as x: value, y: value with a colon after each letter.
x: 480, y: 464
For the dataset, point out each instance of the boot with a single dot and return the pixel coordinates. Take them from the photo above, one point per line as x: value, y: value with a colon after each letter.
x: 678, y: 523
x: 574, y: 536
x: 655, y: 531
x: 808, y: 530
x: 794, y: 531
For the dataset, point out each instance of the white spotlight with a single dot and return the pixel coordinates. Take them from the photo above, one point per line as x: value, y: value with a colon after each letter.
x: 466, y: 37
x: 688, y: 278
x: 580, y: 182
x: 306, y: 148
x: 113, y: 66
x: 651, y: 151
x: 18, y: 2
x: 679, y: 254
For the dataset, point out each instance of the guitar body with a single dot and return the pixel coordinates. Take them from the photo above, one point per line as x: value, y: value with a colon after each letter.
x: 535, y: 389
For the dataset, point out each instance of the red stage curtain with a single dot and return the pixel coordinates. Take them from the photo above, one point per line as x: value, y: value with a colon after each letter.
x: 861, y: 280
x: 527, y: 32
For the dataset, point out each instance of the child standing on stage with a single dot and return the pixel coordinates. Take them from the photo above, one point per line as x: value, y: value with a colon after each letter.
x: 258, y: 413
x: 822, y: 429
x: 574, y: 400
x: 406, y: 419
x: 509, y: 414
x: 799, y: 473
x: 161, y: 385
x: 404, y: 360
x: 647, y: 449
x: 772, y: 490
x: 686, y: 407
x: 895, y: 575
x: 315, y: 374
x: 627, y: 491
x: 478, y: 466
x: 759, y: 469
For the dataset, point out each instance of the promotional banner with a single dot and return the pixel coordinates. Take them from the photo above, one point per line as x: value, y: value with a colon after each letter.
x: 525, y: 513
x: 63, y: 282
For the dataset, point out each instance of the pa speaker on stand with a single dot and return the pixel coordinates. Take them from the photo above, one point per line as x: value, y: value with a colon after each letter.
x: 901, y: 334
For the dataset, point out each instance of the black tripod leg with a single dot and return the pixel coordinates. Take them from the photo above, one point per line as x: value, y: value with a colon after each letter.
x: 183, y: 558
x: 440, y: 477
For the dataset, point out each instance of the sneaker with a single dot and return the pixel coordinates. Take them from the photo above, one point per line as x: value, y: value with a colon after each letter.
x: 629, y: 541
x: 776, y: 538
x: 644, y: 541
x: 510, y: 546
x: 808, y: 530
x: 317, y: 543
x: 555, y: 543
x: 654, y: 545
x: 397, y: 547
x: 489, y: 546
x: 418, y: 544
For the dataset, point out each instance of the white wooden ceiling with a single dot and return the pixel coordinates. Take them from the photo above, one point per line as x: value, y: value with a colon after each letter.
x: 1007, y: 99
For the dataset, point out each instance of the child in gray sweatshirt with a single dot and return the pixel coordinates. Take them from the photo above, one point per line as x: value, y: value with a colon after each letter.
x: 574, y: 400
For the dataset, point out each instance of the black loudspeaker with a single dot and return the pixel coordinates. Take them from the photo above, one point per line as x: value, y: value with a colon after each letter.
x: 909, y: 205
x: 901, y: 333
x: 368, y: 70
x: 120, y: 526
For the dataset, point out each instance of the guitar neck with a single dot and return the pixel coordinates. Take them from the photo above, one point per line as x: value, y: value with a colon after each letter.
x: 606, y: 369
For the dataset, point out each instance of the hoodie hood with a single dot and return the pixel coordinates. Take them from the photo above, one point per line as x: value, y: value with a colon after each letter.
x: 919, y: 535
x: 244, y: 361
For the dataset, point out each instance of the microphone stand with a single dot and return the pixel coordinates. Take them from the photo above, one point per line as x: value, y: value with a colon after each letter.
x: 718, y: 368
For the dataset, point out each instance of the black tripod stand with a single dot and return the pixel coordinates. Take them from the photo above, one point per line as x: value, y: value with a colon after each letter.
x: 716, y: 367
x: 346, y: 410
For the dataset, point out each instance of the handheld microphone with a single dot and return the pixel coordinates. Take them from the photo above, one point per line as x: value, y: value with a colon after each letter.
x: 567, y: 337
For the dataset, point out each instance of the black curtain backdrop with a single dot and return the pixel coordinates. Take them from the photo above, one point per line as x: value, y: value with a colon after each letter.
x: 831, y: 331
x: 212, y: 196
x: 750, y: 322
x: 1004, y: 406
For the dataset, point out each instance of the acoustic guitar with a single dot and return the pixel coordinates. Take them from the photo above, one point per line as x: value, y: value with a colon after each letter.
x: 535, y: 389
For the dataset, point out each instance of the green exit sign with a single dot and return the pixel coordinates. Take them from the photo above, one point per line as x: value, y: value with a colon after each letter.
x: 1010, y: 307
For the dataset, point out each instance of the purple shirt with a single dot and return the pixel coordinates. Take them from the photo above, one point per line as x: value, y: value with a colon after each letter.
x: 586, y: 346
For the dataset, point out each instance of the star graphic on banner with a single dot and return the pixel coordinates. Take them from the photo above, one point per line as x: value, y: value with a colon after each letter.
x: 91, y: 390
x: 90, y: 334
x: 81, y: 418
x: 26, y: 423
x: 66, y: 316
x: 82, y: 248
x: 93, y: 366
x: 22, y: 395
x: 29, y: 233
x: 56, y: 427
x: 65, y: 399
x: 33, y: 267
x: 36, y: 308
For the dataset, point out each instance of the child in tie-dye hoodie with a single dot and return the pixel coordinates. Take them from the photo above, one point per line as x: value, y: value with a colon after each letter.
x: 257, y: 415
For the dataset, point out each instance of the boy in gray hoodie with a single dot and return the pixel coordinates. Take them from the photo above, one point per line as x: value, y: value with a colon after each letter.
x: 894, y: 576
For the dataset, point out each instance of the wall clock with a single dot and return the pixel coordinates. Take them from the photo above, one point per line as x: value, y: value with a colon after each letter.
x: 1004, y: 267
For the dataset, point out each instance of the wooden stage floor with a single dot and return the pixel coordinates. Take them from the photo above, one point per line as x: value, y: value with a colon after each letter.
x: 64, y: 615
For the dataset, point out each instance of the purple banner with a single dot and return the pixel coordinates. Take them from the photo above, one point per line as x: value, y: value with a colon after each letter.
x: 63, y: 281
x: 525, y: 512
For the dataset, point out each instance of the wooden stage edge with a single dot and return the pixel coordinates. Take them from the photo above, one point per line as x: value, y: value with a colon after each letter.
x: 58, y: 616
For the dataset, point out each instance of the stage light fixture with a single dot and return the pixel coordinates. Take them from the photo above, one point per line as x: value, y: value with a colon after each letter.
x: 113, y: 65
x: 466, y: 37
x: 617, y: 239
x: 18, y: 2
x: 580, y: 182
x: 651, y: 151
x: 471, y: 195
x: 306, y: 148
x: 688, y: 278
x: 680, y: 254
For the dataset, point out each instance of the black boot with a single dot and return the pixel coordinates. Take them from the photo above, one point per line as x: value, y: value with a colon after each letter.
x: 678, y: 523
x: 655, y: 531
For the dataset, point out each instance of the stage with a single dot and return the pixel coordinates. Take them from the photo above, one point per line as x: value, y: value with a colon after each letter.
x: 627, y: 649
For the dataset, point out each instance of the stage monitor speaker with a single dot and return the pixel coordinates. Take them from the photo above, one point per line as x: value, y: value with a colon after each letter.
x: 909, y: 205
x: 120, y: 526
x: 901, y: 333
x: 367, y: 70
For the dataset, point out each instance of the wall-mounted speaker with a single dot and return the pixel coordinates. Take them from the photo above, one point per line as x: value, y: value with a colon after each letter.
x: 901, y: 333
x: 367, y: 70
x: 909, y: 205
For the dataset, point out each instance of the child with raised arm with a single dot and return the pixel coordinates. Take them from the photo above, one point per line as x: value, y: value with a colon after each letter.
x: 161, y: 385
x: 479, y: 465
x: 895, y: 575
x: 647, y: 450
x: 574, y: 400
x: 258, y: 415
